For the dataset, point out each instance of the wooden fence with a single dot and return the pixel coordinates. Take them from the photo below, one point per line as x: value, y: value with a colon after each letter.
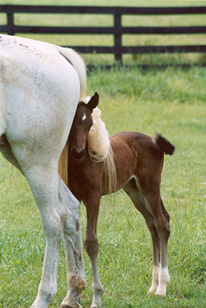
x: 117, y: 30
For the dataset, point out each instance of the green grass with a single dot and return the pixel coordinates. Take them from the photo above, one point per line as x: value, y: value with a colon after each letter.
x: 169, y: 101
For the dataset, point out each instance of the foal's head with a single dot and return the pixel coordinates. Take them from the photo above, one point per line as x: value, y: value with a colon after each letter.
x: 80, y: 128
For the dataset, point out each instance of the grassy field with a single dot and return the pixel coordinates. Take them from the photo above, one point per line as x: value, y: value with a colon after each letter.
x: 170, y: 101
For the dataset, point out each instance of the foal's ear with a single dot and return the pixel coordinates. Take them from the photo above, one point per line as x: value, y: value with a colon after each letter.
x: 94, y: 101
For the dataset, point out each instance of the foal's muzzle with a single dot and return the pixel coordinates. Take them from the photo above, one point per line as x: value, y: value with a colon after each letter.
x: 78, y: 155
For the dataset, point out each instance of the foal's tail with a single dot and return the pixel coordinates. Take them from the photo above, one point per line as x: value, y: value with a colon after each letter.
x: 164, y: 145
x: 77, y: 62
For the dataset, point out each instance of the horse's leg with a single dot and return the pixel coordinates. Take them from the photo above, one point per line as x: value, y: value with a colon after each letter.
x: 58, y: 208
x: 44, y: 183
x: 59, y: 211
x: 40, y: 168
x: 66, y: 208
x: 141, y: 204
x: 91, y: 246
x: 73, y: 250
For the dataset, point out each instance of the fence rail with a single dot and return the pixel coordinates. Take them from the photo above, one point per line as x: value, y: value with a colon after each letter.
x: 117, y: 30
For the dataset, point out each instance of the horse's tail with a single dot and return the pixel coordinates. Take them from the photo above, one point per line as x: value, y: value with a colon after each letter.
x: 100, y: 150
x: 164, y: 145
x: 77, y: 62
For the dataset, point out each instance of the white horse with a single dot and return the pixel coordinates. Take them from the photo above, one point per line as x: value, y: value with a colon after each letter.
x: 40, y: 87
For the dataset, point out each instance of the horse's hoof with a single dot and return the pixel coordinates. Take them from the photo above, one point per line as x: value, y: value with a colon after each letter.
x: 69, y: 306
x: 152, y: 291
x: 94, y: 305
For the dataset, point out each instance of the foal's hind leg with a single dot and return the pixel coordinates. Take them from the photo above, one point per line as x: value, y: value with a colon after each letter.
x: 163, y: 230
x: 141, y: 204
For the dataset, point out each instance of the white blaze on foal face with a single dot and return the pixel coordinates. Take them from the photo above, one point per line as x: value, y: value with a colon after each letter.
x: 84, y: 117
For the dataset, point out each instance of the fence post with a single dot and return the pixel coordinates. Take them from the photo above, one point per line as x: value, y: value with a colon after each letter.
x: 117, y: 38
x: 10, y: 23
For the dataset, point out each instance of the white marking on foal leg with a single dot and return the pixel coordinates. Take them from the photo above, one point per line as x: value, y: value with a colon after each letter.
x: 155, y: 279
x: 164, y: 279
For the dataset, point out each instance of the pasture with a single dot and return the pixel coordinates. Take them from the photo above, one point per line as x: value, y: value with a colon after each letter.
x: 170, y: 101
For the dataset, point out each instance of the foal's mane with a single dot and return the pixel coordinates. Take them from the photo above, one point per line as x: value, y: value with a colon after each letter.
x: 100, y: 150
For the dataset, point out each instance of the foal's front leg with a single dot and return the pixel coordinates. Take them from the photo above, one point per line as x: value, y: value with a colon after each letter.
x: 91, y: 246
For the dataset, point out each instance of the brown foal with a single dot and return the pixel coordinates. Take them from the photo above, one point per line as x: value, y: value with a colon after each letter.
x: 138, y: 159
